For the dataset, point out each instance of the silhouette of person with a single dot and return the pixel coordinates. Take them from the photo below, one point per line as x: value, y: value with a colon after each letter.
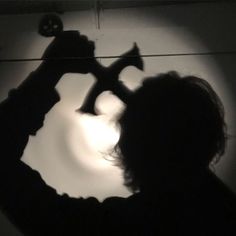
x: 171, y: 130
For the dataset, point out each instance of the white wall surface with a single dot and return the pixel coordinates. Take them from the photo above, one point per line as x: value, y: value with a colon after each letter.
x: 66, y: 151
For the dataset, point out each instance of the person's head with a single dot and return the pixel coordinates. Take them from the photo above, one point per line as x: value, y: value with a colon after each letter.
x: 170, y: 124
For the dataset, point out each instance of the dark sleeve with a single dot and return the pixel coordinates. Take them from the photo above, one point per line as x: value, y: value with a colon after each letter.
x: 34, y: 207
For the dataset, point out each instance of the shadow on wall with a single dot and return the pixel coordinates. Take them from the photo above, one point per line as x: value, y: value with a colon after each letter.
x: 226, y: 63
x: 185, y: 18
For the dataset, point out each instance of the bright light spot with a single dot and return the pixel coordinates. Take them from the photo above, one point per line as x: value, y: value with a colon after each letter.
x: 91, y: 139
x: 99, y: 132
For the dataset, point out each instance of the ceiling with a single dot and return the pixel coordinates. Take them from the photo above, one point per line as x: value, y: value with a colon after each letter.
x: 57, y: 6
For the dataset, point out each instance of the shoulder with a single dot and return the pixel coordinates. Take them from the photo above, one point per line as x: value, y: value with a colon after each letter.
x: 221, y: 193
x: 218, y: 203
x: 121, y: 201
x: 123, y: 209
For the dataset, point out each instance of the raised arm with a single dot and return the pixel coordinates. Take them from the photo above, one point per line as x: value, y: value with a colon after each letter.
x: 25, y: 198
x: 22, y: 113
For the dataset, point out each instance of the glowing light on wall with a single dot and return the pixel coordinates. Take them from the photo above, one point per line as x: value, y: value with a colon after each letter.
x: 76, y: 143
x: 69, y: 150
x: 99, y: 133
x: 100, y: 136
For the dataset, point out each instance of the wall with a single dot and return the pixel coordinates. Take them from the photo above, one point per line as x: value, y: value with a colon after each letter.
x: 67, y: 140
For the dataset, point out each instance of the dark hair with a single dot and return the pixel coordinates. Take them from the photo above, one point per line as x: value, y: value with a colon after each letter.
x: 170, y: 120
